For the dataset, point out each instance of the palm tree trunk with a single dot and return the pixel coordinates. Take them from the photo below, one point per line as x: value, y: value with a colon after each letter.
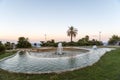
x: 71, y: 38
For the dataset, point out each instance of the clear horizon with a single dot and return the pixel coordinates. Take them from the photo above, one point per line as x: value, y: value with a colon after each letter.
x: 35, y: 18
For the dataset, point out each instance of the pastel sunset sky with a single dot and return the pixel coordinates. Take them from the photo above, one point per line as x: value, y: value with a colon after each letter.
x: 35, y: 18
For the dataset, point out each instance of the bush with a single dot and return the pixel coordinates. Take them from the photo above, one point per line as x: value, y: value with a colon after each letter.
x: 2, y: 48
x: 23, y: 43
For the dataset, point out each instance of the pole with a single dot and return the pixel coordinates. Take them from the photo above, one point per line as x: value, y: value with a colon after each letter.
x: 99, y: 36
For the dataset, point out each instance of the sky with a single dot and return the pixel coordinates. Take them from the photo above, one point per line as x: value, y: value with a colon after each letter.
x: 35, y: 18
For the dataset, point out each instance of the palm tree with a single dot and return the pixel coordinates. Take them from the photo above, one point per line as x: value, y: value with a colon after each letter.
x: 72, y: 32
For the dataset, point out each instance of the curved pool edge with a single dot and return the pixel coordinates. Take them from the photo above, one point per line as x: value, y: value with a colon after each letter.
x: 58, y: 71
x: 9, y: 56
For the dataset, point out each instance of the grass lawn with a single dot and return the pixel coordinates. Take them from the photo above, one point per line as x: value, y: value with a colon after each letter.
x: 5, y: 54
x: 108, y: 68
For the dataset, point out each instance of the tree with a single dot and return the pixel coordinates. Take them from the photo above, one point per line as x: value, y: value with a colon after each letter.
x: 86, y: 38
x: 8, y: 45
x: 52, y: 41
x: 23, y: 43
x: 2, y: 47
x: 72, y: 32
x: 13, y: 45
x: 114, y: 39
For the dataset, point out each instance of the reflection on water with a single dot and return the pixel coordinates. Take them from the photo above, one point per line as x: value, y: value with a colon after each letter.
x: 28, y: 63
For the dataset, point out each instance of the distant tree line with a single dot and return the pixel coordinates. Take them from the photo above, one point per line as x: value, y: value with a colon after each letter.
x: 81, y: 42
x: 71, y: 32
x: 22, y: 43
x: 85, y: 41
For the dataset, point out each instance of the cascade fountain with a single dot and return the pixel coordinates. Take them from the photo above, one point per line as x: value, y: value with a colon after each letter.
x: 47, y: 61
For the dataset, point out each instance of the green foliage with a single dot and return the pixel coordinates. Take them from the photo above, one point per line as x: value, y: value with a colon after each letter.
x: 114, y: 39
x: 2, y: 47
x: 72, y: 44
x: 9, y: 45
x: 81, y: 42
x: 23, y: 43
x: 49, y: 43
x: 86, y: 42
x: 6, y: 54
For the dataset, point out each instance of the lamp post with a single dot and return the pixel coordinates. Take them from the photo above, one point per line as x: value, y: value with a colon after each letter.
x: 99, y: 36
